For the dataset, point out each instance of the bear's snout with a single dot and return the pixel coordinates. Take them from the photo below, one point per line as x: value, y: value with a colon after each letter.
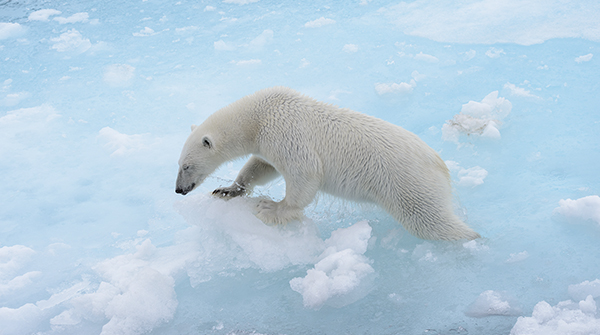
x: 184, y: 191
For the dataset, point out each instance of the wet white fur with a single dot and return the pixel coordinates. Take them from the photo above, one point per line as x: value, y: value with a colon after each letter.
x: 319, y: 147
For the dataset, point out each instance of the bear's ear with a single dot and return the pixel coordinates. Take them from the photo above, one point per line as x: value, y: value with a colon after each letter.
x: 207, y: 142
x: 194, y: 127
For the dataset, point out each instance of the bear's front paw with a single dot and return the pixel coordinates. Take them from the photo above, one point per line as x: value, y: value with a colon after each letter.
x: 272, y: 212
x: 229, y: 192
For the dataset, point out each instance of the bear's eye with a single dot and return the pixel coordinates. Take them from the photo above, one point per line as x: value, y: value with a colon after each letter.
x: 206, y: 142
x: 186, y: 167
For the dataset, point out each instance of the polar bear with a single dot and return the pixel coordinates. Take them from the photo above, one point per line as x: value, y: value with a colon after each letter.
x: 316, y: 147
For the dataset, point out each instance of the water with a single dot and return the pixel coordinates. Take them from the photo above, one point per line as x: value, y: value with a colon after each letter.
x: 97, y: 100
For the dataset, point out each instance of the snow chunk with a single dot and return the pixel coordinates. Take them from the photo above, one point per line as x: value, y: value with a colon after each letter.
x: 519, y: 91
x: 472, y: 177
x: 475, y: 246
x: 493, y: 303
x: 121, y: 144
x: 584, y: 58
x: 248, y: 62
x: 320, y: 22
x: 582, y: 290
x: 469, y: 54
x: 71, y: 41
x: 240, y: 2
x: 478, y: 118
x: 517, y: 257
x: 43, y: 14
x: 340, y: 269
x: 567, y: 317
x: 582, y: 209
x: 118, y: 75
x: 77, y: 17
x: 32, y: 119
x: 495, y: 53
x: 402, y: 88
x: 350, y: 48
x: 10, y: 30
x: 147, y: 31
x: 426, y: 58
x: 261, y: 40
x: 13, y: 99
x: 223, y: 46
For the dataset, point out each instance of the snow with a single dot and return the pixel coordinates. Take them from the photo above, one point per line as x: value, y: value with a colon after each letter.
x: 318, y: 23
x: 584, y: 58
x: 478, y: 118
x: 340, y: 270
x: 567, y: 317
x: 582, y: 209
x: 43, y: 14
x: 97, y: 100
x: 484, y: 22
x: 71, y: 41
x: 10, y: 30
x: 493, y: 303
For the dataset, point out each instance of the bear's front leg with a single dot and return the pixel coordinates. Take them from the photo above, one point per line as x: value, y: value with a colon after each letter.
x: 255, y: 172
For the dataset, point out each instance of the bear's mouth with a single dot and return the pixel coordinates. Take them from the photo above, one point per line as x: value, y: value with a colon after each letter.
x: 185, y: 190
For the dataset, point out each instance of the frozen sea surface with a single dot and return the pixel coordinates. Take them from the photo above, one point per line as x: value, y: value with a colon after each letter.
x: 96, y: 100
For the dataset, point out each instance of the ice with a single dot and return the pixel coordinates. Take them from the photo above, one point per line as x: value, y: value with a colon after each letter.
x: 97, y: 99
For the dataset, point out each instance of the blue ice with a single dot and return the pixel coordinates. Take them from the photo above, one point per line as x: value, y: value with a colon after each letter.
x: 97, y: 98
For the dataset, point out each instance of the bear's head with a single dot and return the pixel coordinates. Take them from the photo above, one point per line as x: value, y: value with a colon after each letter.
x: 198, y: 160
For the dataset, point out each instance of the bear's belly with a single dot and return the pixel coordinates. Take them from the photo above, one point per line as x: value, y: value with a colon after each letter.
x: 346, y: 189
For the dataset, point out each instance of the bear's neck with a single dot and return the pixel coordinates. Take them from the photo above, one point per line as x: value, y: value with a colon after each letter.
x: 239, y: 132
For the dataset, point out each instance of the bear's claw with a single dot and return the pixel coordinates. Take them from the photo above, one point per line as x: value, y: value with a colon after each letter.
x: 229, y: 192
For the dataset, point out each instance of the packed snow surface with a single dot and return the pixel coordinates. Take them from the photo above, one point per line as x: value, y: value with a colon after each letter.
x: 97, y: 99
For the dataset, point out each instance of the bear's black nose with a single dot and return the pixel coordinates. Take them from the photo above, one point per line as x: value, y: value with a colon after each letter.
x: 186, y: 190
